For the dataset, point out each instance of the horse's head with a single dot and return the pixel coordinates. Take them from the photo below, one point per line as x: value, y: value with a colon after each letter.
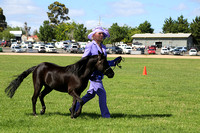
x: 103, y: 66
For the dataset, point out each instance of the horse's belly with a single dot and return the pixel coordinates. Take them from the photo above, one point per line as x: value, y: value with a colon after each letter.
x: 61, y: 89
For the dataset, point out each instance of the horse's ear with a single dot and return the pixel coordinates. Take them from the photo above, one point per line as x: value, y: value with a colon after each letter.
x: 102, y: 54
x: 99, y: 52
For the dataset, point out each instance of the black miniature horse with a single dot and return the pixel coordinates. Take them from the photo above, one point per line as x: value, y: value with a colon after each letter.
x: 72, y: 79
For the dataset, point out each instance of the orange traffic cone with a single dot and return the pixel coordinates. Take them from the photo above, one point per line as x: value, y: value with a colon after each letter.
x: 145, y: 71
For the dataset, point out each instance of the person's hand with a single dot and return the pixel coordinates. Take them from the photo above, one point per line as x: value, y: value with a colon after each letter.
x: 117, y: 61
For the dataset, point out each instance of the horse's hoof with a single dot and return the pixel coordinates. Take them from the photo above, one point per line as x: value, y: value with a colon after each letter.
x: 42, y: 112
x: 75, y: 115
x: 34, y: 115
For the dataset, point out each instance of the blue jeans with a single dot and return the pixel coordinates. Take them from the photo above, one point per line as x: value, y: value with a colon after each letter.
x: 102, y: 102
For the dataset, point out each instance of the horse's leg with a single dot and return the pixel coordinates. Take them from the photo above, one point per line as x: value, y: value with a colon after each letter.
x: 73, y: 107
x: 46, y: 91
x: 77, y: 98
x: 37, y: 89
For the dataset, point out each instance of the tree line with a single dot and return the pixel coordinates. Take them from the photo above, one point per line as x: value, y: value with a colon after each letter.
x: 57, y: 29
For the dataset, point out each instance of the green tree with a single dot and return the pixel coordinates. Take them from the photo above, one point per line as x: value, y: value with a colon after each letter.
x: 127, y: 36
x: 35, y: 32
x: 195, y: 29
x: 182, y: 25
x: 6, y: 35
x: 169, y: 26
x: 57, y: 13
x: 145, y: 27
x: 63, y: 31
x: 3, y: 23
x: 46, y: 32
x: 117, y: 33
x: 130, y: 32
x: 80, y: 33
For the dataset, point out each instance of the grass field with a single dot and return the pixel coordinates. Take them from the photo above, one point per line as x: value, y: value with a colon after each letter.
x: 167, y: 99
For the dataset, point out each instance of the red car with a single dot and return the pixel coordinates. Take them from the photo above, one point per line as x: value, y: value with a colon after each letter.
x: 151, y: 51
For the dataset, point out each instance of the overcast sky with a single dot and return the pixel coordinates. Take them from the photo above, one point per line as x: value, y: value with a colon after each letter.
x: 88, y: 12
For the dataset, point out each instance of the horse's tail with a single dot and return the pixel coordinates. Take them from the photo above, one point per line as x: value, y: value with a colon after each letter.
x: 10, y: 90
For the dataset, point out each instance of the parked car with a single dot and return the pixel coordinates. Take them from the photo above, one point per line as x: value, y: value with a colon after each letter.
x: 50, y: 48
x: 38, y: 44
x: 114, y: 50
x: 192, y: 52
x: 151, y: 51
x: 62, y: 44
x: 40, y: 49
x: 127, y: 50
x: 72, y: 49
x: 137, y: 45
x: 65, y: 47
x: 24, y: 48
x: 152, y: 47
x: 81, y: 50
x: 171, y: 49
x: 176, y: 52
x: 16, y: 49
x: 182, y: 49
x: 122, y: 46
x: 164, y: 51
x: 51, y: 43
x: 28, y: 44
x: 141, y: 49
x: 108, y: 51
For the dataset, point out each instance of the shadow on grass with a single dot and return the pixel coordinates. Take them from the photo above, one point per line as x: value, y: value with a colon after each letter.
x: 91, y: 115
x: 118, y: 115
x: 113, y: 115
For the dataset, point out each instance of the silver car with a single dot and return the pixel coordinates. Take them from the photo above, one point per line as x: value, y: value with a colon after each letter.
x: 72, y: 49
x: 176, y: 52
x: 16, y: 49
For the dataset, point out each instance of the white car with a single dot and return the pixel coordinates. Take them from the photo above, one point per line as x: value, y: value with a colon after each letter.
x: 40, y: 49
x: 137, y: 45
x: 127, y: 50
x: 164, y: 51
x: 50, y: 48
x: 24, y: 48
x: 72, y: 49
x: 193, y: 52
x: 16, y: 49
x: 122, y: 46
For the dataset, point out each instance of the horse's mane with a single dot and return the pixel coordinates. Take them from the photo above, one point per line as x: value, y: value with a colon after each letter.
x: 80, y: 65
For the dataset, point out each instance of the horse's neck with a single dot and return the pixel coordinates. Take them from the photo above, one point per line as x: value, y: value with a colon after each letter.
x: 88, y: 69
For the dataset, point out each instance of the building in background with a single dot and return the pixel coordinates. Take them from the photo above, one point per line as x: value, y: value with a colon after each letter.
x: 17, y: 34
x: 164, y: 40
